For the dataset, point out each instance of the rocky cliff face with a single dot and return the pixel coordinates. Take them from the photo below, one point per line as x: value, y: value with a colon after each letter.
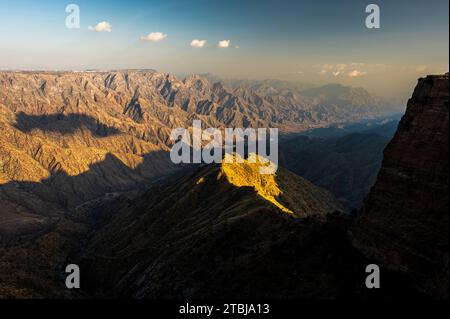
x: 404, y: 224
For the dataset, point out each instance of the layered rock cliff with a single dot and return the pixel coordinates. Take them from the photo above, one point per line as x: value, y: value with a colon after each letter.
x: 404, y: 224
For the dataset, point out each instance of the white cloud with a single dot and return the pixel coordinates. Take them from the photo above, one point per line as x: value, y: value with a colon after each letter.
x: 342, y: 69
x: 198, y: 43
x: 224, y: 44
x: 356, y: 73
x: 154, y: 37
x: 237, y: 47
x: 333, y: 69
x: 101, y: 27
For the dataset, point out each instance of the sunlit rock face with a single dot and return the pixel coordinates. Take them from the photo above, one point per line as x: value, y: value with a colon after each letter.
x: 405, y: 219
x: 247, y: 173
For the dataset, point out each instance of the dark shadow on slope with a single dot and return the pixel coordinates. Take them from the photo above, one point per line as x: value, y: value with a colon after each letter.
x: 28, y: 208
x: 346, y: 166
x: 63, y: 124
x: 43, y: 223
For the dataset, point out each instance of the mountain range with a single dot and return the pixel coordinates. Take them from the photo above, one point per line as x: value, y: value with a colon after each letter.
x: 72, y: 137
x: 85, y: 177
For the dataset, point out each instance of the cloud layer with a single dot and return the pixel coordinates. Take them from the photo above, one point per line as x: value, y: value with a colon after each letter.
x: 154, y: 37
x: 338, y: 70
x: 101, y: 27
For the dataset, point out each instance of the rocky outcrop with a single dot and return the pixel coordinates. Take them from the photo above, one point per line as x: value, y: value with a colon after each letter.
x: 404, y: 224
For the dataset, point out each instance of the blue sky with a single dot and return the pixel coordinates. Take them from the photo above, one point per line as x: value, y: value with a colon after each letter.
x: 312, y: 41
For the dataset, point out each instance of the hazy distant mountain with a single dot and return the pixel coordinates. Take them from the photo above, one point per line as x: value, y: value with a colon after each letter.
x: 344, y: 159
x: 329, y: 95
x: 294, y: 86
x: 347, y: 166
x: 348, y: 97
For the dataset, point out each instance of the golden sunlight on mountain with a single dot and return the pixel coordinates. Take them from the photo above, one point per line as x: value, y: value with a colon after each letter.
x: 246, y: 173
